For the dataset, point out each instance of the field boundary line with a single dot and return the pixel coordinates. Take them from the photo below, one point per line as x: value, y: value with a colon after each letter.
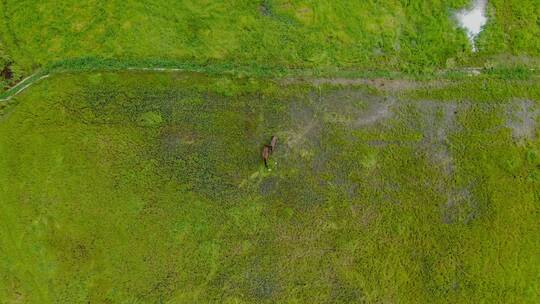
x: 32, y: 79
x: 38, y: 76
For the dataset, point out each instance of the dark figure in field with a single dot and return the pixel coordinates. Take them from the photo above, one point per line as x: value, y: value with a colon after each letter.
x: 268, y: 149
x: 273, y: 143
x: 266, y: 154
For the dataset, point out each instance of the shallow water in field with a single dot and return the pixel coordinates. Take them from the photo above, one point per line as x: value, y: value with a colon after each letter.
x: 473, y: 19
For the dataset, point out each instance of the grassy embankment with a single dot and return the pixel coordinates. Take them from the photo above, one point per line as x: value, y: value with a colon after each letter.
x: 411, y: 37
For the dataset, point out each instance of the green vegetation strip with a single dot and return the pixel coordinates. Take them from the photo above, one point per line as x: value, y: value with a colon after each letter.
x: 96, y: 64
x: 415, y: 37
x: 272, y: 36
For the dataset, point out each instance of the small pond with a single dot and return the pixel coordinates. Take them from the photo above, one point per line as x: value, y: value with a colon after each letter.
x: 472, y: 19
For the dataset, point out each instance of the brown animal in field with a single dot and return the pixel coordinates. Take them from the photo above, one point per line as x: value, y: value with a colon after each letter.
x: 266, y: 154
x: 273, y: 143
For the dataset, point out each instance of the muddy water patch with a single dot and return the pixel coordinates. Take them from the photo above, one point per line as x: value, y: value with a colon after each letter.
x: 350, y: 108
x: 306, y: 127
x: 438, y: 122
x: 356, y: 108
x: 376, y: 111
x: 522, y: 118
x: 458, y: 207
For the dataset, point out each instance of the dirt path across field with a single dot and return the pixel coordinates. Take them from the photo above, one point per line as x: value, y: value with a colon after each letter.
x: 384, y: 84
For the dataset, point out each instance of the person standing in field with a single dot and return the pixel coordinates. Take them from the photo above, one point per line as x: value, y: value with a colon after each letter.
x: 266, y: 154
x: 269, y: 149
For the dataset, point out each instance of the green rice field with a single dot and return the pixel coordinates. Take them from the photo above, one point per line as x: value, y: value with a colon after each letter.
x: 407, y: 168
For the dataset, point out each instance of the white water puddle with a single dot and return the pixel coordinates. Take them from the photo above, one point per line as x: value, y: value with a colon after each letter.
x: 473, y: 19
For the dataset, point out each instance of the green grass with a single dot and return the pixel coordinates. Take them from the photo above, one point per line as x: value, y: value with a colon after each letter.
x: 136, y: 187
x: 148, y: 188
x: 409, y: 36
x: 514, y: 29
